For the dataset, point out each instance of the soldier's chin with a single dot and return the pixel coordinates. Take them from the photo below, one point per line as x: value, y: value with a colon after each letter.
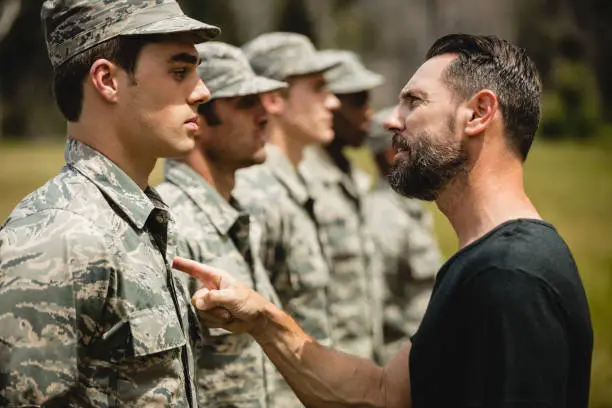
x: 181, y: 149
x: 259, y: 156
x: 325, y: 136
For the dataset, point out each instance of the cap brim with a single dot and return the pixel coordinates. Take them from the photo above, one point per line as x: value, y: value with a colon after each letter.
x: 251, y: 86
x: 176, y: 25
x: 319, y: 63
x: 365, y: 81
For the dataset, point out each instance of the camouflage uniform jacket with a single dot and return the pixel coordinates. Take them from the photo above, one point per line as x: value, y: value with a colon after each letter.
x: 403, y: 230
x: 91, y: 314
x: 356, y: 271
x: 231, y: 367
x: 291, y: 250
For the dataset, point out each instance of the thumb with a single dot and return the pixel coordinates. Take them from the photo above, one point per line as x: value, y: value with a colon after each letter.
x: 210, y: 277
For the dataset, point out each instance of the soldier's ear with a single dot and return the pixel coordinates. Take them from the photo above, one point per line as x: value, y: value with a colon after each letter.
x: 273, y: 102
x: 103, y: 77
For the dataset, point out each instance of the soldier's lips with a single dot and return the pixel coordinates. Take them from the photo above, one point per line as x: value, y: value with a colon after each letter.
x: 192, y: 124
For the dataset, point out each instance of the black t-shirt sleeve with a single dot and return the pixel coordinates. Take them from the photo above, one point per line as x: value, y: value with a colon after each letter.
x: 516, y: 345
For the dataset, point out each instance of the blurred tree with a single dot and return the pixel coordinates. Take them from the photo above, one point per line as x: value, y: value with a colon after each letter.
x: 217, y: 12
x: 28, y: 106
x: 295, y: 17
x: 594, y: 18
x: 571, y: 105
x: 9, y: 11
x: 391, y: 35
x: 564, y: 55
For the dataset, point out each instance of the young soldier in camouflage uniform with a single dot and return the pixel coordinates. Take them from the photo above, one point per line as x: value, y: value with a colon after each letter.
x: 90, y: 313
x: 275, y: 192
x: 403, y: 230
x: 212, y: 226
x: 339, y: 189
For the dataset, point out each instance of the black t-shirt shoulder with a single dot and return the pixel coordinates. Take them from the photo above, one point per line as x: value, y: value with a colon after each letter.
x: 507, y: 326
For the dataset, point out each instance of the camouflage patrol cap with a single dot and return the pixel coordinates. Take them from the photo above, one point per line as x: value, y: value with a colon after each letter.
x: 350, y: 76
x: 280, y: 55
x: 73, y: 26
x: 378, y: 138
x: 226, y: 72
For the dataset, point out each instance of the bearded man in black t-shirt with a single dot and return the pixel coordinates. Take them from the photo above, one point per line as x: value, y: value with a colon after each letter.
x: 508, y: 323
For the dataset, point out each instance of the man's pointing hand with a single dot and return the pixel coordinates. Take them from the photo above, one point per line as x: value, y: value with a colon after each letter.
x: 223, y: 301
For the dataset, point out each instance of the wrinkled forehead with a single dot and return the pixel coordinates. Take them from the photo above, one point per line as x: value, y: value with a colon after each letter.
x: 429, y: 76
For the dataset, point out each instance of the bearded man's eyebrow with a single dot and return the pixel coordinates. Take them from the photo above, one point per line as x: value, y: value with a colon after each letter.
x: 411, y: 94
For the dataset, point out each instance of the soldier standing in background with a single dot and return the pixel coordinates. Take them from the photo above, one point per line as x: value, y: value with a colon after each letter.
x: 339, y: 189
x: 275, y: 192
x: 212, y: 226
x: 91, y: 314
x: 403, y: 230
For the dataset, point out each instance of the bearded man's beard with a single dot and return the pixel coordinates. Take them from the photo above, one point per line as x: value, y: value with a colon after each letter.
x: 428, y: 167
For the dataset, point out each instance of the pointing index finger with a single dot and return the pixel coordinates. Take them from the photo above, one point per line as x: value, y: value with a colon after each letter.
x: 210, y: 277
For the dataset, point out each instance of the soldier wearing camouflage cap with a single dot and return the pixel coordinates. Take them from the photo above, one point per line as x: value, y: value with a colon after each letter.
x: 91, y: 314
x: 402, y: 228
x: 339, y: 188
x: 276, y: 193
x: 212, y: 225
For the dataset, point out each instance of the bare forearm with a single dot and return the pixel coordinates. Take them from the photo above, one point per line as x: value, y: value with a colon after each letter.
x: 319, y: 376
x: 322, y: 377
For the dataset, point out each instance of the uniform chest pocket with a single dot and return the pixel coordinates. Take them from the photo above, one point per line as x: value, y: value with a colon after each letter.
x: 155, y: 330
x: 145, y: 366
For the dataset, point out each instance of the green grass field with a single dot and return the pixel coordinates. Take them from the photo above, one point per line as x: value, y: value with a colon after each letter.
x: 570, y: 184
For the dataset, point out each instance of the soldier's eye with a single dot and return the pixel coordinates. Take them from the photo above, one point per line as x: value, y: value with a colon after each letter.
x: 179, y: 74
x: 247, y: 102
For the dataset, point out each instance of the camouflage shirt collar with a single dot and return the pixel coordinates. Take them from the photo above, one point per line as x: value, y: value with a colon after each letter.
x: 112, y: 181
x: 287, y: 174
x: 320, y: 166
x: 222, y: 215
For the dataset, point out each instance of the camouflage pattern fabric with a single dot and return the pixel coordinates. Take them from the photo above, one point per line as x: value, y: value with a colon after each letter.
x: 291, y: 250
x: 351, y: 75
x: 227, y: 73
x: 356, y: 296
x: 379, y: 139
x: 231, y: 367
x: 280, y: 55
x: 403, y: 230
x: 73, y: 26
x: 91, y: 314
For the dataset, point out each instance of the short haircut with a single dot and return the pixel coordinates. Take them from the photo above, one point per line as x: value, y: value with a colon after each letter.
x: 68, y: 78
x: 487, y: 62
